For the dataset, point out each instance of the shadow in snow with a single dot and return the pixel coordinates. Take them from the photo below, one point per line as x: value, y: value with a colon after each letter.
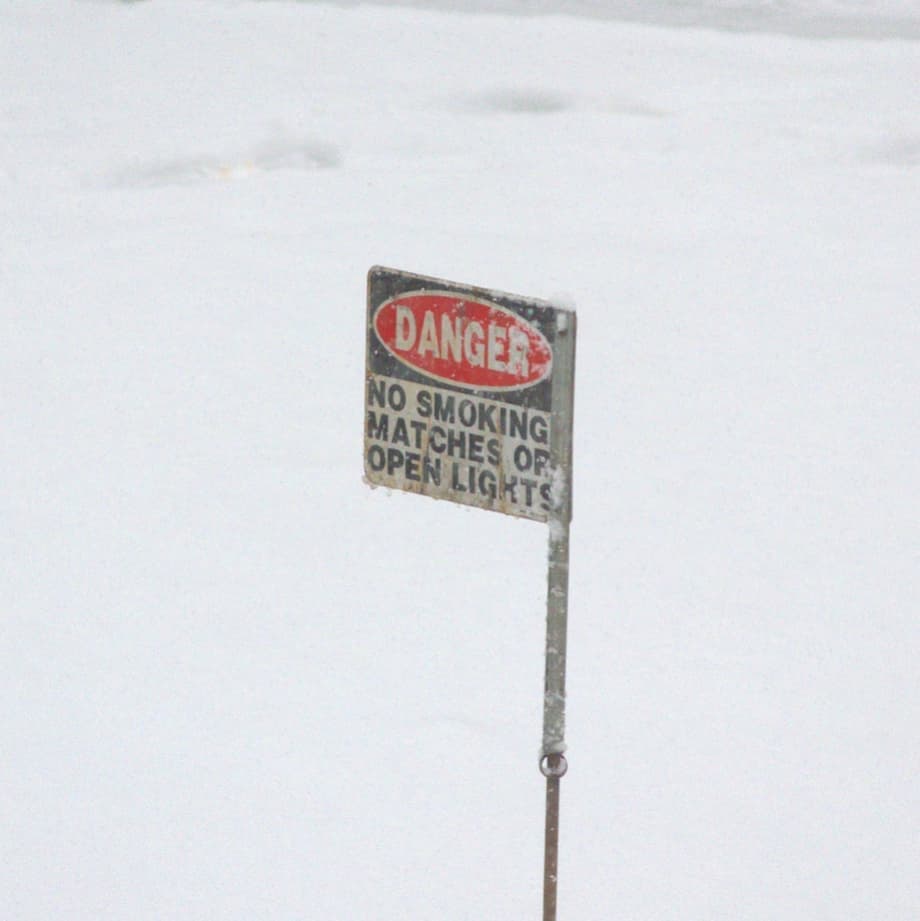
x: 512, y: 102
x: 898, y: 152
x: 264, y: 158
x: 516, y: 102
x: 529, y: 101
x: 821, y: 19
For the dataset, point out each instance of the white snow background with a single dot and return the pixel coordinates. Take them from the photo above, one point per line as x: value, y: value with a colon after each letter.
x: 238, y: 684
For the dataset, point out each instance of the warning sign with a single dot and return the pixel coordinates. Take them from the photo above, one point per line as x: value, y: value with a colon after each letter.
x: 466, y: 392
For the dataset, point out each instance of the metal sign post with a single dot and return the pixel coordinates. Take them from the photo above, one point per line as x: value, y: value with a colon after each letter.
x: 469, y: 397
x: 552, y: 762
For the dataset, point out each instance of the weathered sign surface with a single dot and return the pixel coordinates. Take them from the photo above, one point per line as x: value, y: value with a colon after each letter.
x: 460, y: 390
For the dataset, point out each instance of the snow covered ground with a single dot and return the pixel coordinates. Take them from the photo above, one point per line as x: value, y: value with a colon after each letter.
x: 238, y: 684
x: 812, y: 18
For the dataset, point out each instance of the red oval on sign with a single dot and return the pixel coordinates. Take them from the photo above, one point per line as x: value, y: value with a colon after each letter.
x: 463, y: 341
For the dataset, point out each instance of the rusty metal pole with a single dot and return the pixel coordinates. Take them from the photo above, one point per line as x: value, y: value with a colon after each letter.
x: 552, y: 762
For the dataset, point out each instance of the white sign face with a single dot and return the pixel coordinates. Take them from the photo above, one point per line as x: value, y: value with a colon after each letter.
x: 460, y: 390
